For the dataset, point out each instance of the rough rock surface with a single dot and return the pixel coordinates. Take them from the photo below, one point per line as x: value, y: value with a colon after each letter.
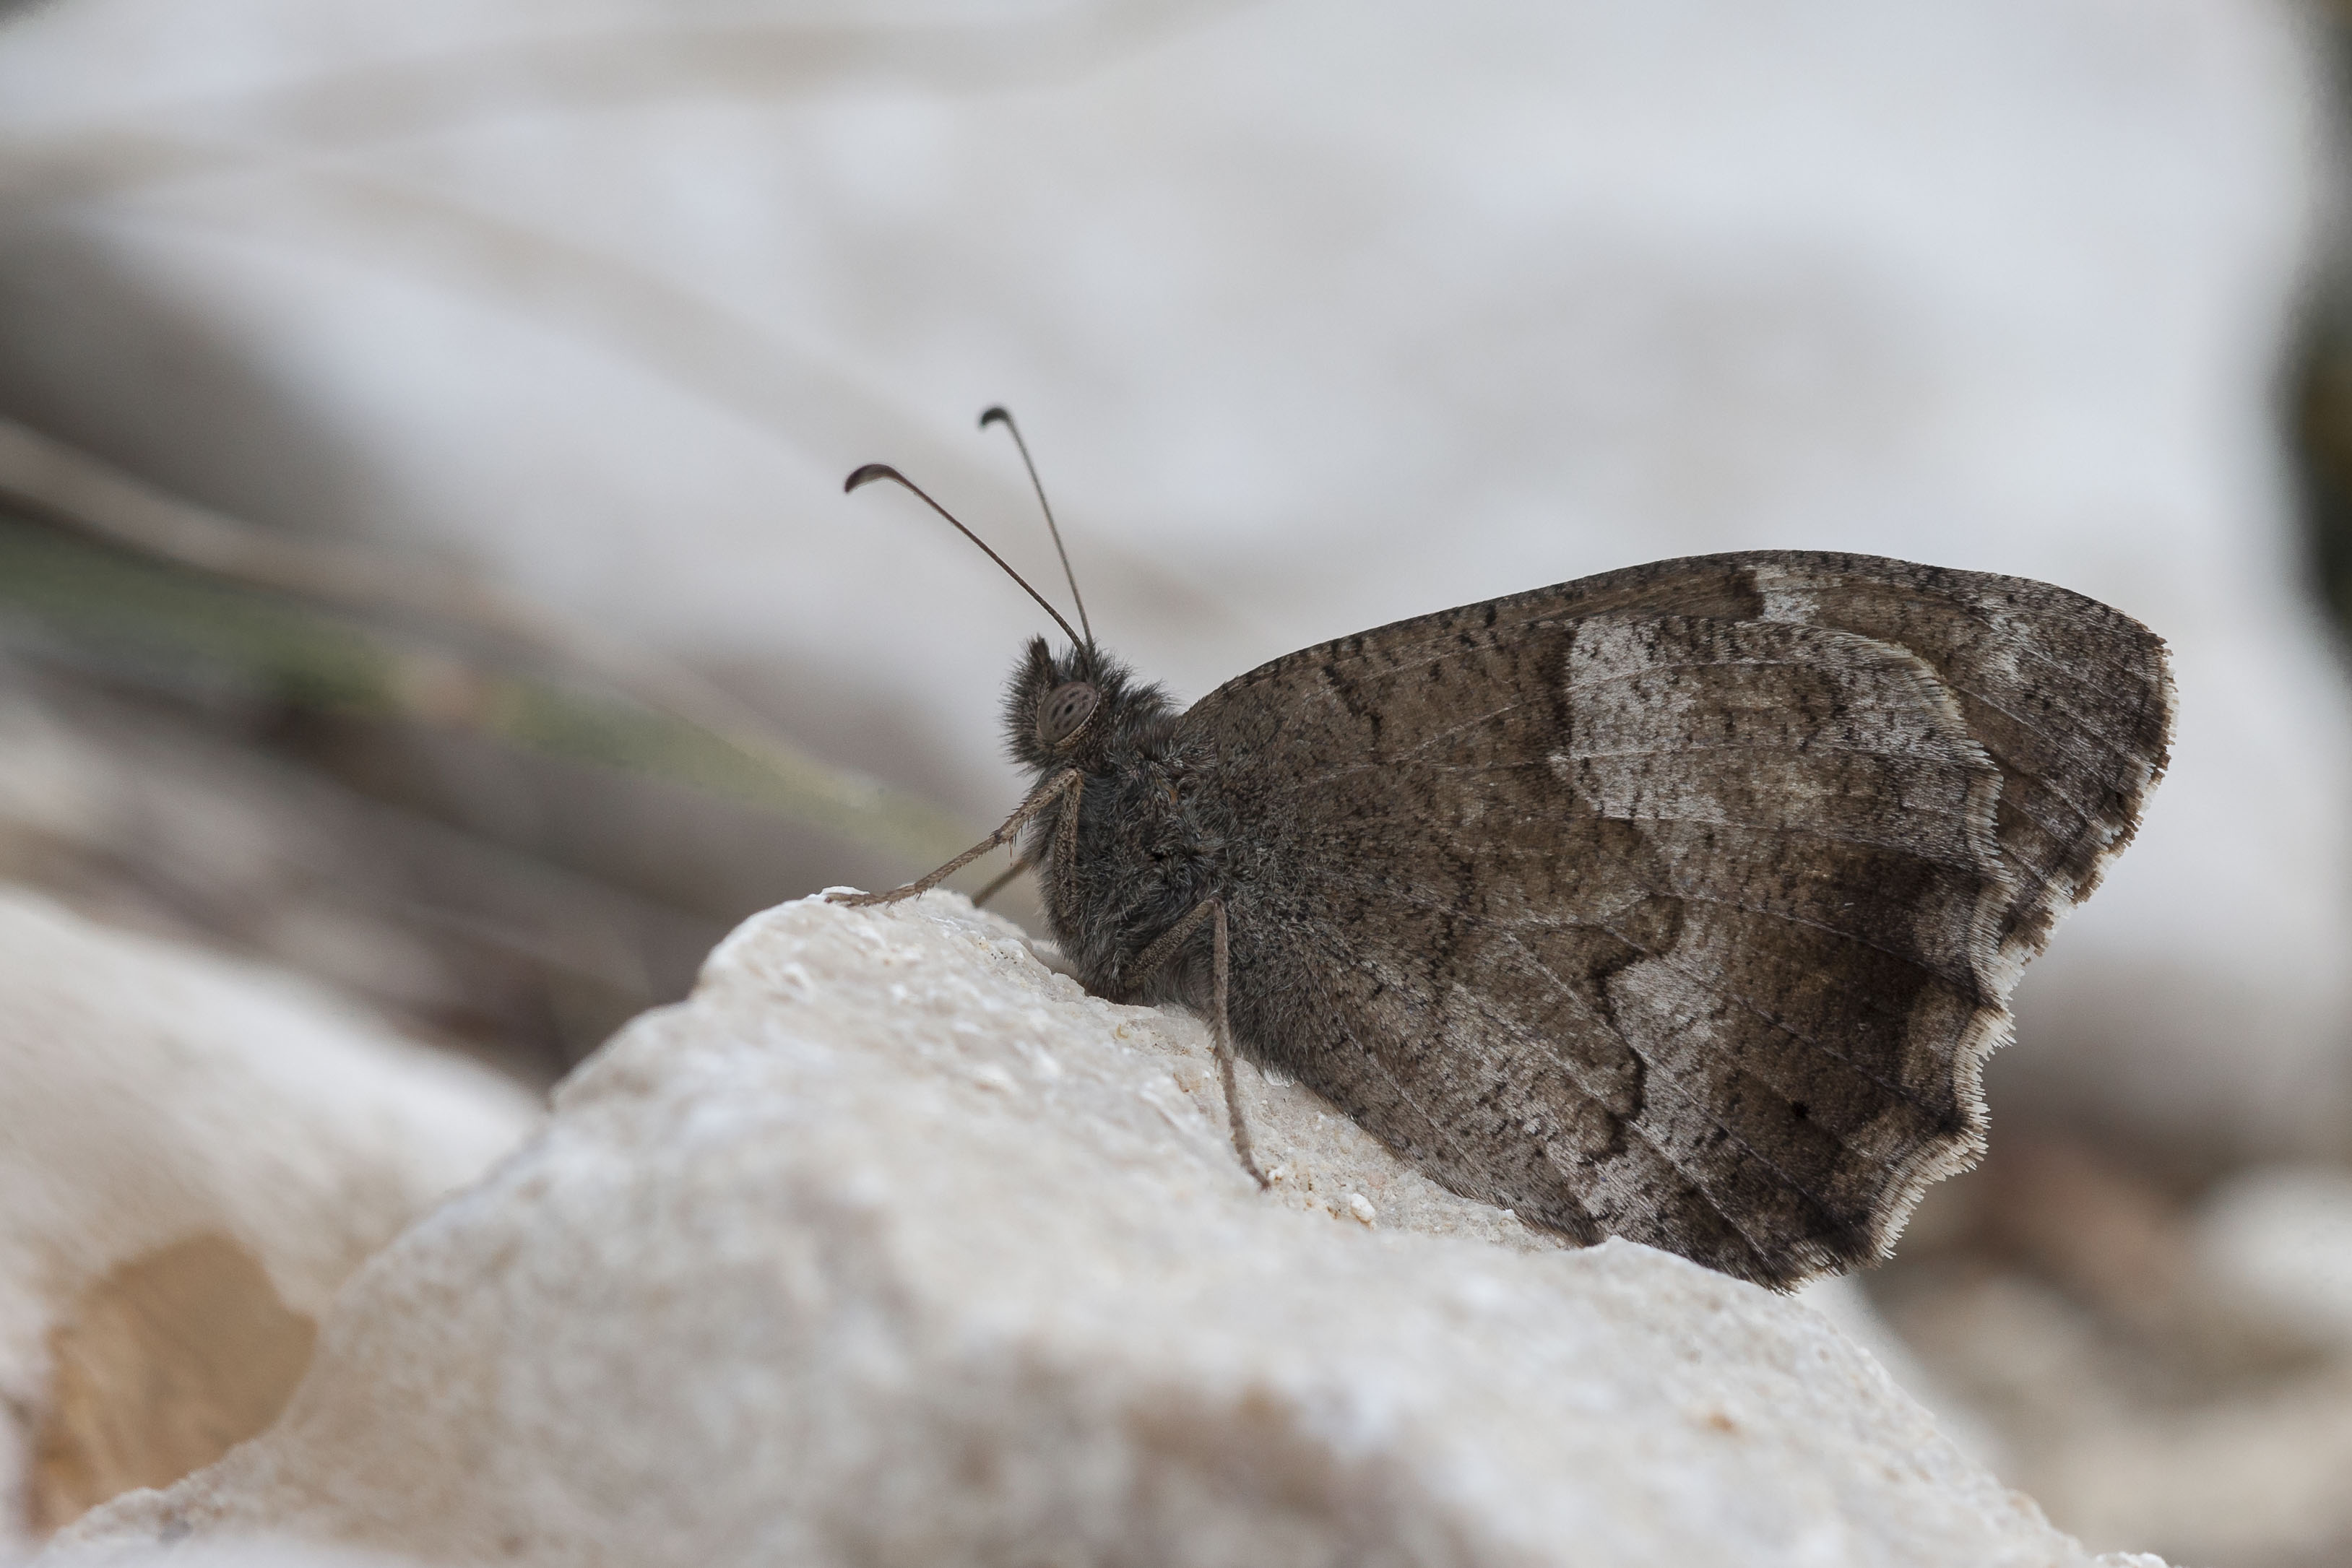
x: 194, y: 1156
x: 892, y: 1246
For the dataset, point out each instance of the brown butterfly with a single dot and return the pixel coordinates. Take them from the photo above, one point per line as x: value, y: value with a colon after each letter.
x: 1681, y: 902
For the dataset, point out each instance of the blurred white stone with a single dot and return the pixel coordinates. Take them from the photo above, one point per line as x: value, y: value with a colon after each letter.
x: 892, y: 1247
x: 2211, y: 1418
x: 1320, y: 314
x: 2254, y: 1478
x: 152, y: 1097
x: 2280, y: 1237
x: 245, y: 1552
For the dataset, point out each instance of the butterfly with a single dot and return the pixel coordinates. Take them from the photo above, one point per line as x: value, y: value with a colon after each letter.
x: 1681, y: 904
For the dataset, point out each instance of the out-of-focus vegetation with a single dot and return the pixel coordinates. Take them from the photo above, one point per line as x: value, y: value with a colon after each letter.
x: 2319, y: 385
x: 2320, y: 392
x: 460, y: 754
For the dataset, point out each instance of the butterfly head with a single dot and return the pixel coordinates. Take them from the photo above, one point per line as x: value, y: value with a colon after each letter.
x: 1071, y: 709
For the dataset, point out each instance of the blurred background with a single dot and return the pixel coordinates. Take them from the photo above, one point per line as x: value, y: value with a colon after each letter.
x: 424, y: 570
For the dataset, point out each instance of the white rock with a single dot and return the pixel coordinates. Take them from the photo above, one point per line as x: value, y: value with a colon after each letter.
x: 892, y: 1247
x: 1842, y: 1301
x: 152, y: 1097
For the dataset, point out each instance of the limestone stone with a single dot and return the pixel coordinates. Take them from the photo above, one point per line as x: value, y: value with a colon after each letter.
x: 194, y: 1156
x: 892, y: 1246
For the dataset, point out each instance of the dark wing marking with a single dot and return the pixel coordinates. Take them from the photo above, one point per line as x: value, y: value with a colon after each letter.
x: 1694, y: 929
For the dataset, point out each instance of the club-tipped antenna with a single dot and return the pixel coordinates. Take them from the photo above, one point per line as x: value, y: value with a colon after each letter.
x: 873, y: 471
x: 1000, y: 414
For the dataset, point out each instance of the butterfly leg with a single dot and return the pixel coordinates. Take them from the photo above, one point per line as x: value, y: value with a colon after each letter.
x: 1220, y: 1031
x: 1044, y: 796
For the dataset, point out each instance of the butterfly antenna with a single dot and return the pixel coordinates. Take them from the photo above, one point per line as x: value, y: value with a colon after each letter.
x: 1003, y: 415
x: 873, y: 471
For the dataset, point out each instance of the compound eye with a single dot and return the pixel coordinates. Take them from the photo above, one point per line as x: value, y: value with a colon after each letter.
x: 1065, y: 708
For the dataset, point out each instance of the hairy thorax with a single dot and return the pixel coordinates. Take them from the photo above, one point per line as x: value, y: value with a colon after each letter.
x: 1147, y: 853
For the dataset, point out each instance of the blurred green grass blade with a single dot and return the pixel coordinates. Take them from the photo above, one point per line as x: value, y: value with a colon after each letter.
x: 163, y: 626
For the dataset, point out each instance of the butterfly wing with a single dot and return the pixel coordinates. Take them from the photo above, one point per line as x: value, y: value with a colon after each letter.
x: 1680, y: 904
